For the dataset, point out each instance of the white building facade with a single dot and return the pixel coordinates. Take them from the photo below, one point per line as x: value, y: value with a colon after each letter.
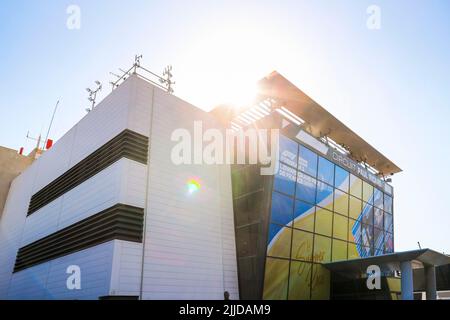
x: 108, y: 199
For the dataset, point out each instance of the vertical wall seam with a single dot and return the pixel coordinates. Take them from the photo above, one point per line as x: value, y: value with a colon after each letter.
x: 147, y: 184
x: 222, y: 211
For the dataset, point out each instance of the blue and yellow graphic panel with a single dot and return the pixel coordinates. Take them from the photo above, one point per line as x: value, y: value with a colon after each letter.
x: 320, y: 212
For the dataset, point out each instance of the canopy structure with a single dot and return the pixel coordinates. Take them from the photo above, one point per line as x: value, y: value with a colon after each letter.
x: 277, y: 92
x: 419, y: 259
x: 322, y: 123
x: 421, y: 270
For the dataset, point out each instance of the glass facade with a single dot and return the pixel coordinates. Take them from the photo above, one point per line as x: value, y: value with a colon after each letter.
x: 320, y: 213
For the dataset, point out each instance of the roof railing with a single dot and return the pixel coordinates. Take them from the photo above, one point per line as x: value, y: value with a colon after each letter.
x: 159, y: 81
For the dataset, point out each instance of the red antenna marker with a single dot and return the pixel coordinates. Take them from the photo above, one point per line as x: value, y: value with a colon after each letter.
x: 49, y: 144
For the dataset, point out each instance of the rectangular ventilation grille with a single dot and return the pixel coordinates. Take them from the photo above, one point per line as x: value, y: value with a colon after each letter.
x: 121, y: 222
x: 127, y: 144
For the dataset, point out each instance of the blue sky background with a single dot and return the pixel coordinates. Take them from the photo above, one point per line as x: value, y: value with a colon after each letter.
x: 391, y: 86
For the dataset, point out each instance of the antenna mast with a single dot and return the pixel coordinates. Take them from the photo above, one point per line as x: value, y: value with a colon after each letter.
x: 167, y: 81
x: 93, y: 95
x: 38, y: 139
x: 51, y: 123
x: 137, y: 62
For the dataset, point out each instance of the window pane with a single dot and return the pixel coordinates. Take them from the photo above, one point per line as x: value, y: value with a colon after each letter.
x: 324, y: 221
x: 365, y: 251
x: 352, y: 251
x: 378, y: 218
x: 302, y: 245
x: 379, y: 240
x: 367, y: 192
x: 324, y: 196
x: 367, y: 214
x: 304, y: 216
x: 300, y: 280
x: 307, y: 161
x: 276, y: 279
x: 340, y: 202
x: 320, y: 285
x: 378, y: 198
x: 322, y: 249
x: 249, y: 208
x: 378, y: 251
x: 326, y: 171
x: 366, y: 235
x: 388, y: 243
x: 279, y: 242
x: 284, y: 180
x: 282, y: 208
x: 246, y: 239
x: 339, y: 250
x: 388, y: 222
x: 342, y: 179
x: 288, y: 151
x: 274, y: 229
x: 340, y: 227
x: 355, y: 186
x: 354, y: 230
x: 306, y: 188
x: 355, y: 208
x: 388, y: 203
x: 359, y: 240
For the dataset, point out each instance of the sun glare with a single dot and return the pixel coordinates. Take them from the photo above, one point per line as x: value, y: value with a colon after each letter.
x: 222, y: 66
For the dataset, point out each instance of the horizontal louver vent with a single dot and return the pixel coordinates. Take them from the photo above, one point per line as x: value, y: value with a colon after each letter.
x: 121, y: 222
x: 127, y: 144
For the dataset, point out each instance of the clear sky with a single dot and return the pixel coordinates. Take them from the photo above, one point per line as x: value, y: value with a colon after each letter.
x: 391, y: 85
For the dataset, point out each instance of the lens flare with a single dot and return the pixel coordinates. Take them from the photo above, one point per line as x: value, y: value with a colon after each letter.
x: 193, y: 186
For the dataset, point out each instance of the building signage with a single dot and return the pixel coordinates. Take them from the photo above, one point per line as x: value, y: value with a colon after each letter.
x: 342, y: 160
x: 354, y: 167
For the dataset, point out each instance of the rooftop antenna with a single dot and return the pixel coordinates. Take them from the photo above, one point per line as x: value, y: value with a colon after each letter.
x: 418, y: 243
x: 51, y: 123
x: 38, y: 139
x: 112, y: 83
x: 167, y: 81
x: 93, y: 95
x: 137, y: 62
